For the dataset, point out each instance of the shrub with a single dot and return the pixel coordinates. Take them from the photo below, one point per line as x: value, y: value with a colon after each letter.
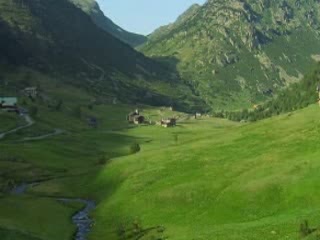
x: 137, y: 226
x: 121, y: 231
x: 134, y: 148
x: 103, y: 160
x: 305, y: 230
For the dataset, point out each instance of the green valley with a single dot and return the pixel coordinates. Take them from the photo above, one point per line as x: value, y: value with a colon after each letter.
x: 212, y: 135
x: 215, y: 180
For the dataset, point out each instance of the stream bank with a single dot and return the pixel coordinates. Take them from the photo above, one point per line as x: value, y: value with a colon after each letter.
x: 80, y: 219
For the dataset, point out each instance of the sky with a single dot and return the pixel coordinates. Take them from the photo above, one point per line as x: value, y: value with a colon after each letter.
x: 144, y: 16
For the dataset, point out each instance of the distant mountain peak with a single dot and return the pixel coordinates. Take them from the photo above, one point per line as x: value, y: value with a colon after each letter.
x: 188, y: 13
x: 92, y: 8
x: 184, y: 17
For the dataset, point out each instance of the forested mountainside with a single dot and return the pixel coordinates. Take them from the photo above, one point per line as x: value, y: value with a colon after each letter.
x: 58, y: 39
x: 297, y: 96
x: 91, y: 7
x: 237, y: 53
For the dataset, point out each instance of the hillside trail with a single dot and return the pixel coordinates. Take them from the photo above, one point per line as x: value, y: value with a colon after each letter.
x: 29, y: 122
x: 81, y: 219
x: 56, y: 132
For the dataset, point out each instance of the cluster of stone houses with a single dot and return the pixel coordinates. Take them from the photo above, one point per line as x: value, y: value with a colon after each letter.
x: 136, y: 118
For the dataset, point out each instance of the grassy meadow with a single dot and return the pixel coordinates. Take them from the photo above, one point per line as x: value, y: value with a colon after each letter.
x: 9, y: 121
x: 221, y: 180
x: 204, y: 179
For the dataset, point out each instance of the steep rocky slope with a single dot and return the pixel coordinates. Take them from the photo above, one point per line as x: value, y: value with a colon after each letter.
x: 236, y: 53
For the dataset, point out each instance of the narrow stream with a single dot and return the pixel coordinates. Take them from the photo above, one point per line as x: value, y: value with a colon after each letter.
x: 80, y: 219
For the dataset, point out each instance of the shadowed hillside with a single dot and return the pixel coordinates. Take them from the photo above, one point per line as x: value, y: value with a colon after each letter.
x: 58, y: 39
x: 100, y: 142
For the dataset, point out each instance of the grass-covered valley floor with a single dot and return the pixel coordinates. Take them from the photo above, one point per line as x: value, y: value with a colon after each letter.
x: 71, y: 167
x: 205, y: 179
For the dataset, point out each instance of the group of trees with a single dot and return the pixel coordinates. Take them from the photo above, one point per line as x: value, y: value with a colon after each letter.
x: 134, y: 148
x: 298, y: 95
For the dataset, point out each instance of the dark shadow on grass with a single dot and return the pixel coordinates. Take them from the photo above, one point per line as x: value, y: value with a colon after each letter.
x: 8, y: 234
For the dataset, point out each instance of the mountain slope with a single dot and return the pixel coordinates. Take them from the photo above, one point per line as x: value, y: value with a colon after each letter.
x: 59, y: 39
x: 296, y: 96
x: 161, y: 32
x: 92, y: 8
x: 235, y: 53
x: 238, y: 181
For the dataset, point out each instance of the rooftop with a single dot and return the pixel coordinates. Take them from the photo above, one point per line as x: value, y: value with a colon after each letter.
x: 9, y: 100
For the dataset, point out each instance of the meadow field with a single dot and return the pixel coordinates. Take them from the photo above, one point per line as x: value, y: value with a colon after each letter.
x: 205, y: 179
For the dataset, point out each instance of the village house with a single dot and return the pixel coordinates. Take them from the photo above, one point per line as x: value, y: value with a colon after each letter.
x: 171, y: 122
x: 131, y: 116
x: 138, y: 119
x: 31, y: 92
x: 8, y: 104
x: 135, y: 117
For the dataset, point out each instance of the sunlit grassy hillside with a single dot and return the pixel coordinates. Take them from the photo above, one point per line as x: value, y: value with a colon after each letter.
x: 219, y: 181
x: 204, y: 179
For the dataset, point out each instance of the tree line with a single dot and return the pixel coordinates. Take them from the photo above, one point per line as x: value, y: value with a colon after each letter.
x: 299, y: 95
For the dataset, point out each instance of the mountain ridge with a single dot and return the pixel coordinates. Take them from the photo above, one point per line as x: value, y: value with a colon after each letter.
x: 233, y: 52
x: 189, y: 13
x: 59, y: 39
x: 92, y: 8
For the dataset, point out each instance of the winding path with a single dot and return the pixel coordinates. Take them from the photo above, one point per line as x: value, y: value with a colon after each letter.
x: 29, y: 122
x: 81, y: 219
x: 56, y: 132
